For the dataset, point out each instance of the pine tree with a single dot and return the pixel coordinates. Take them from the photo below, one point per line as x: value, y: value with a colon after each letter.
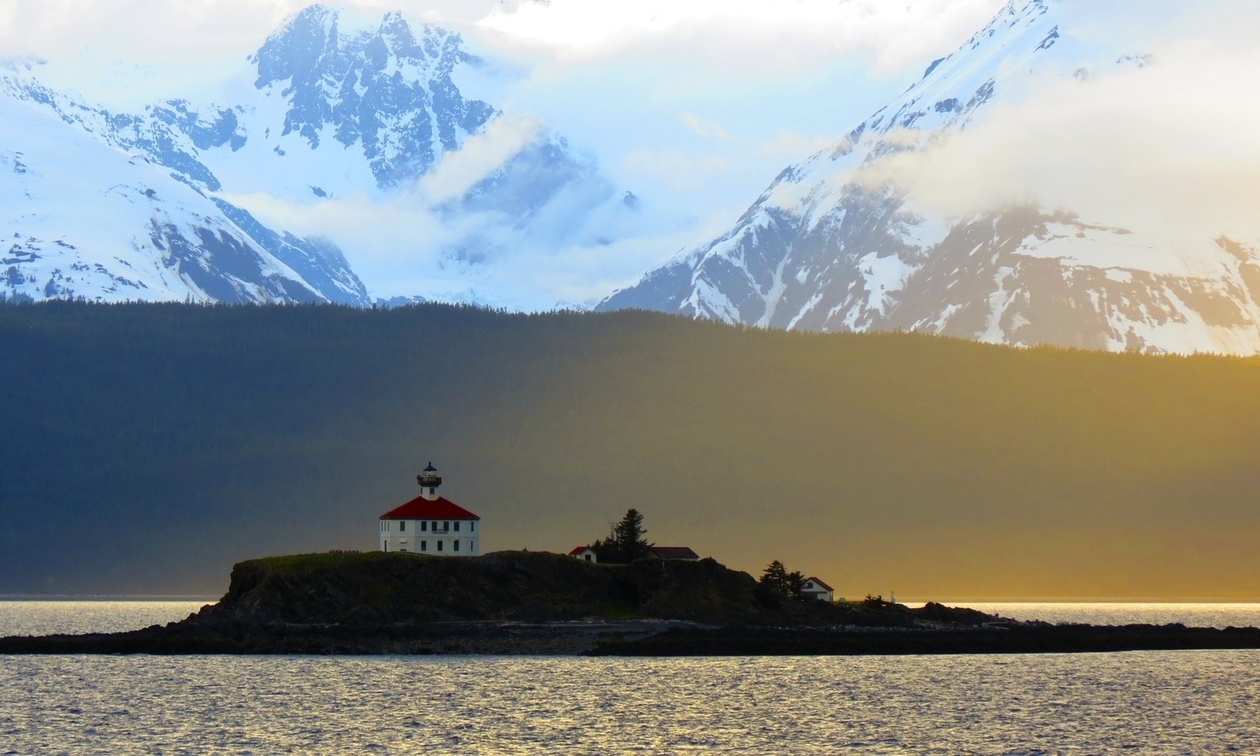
x: 629, y: 536
x: 626, y: 542
x: 778, y: 581
x: 775, y: 577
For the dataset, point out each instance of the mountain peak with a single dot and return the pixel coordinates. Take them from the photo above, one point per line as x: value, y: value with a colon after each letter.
x: 842, y: 241
x: 379, y: 87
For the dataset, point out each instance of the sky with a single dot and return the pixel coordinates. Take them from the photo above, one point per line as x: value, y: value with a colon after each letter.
x: 693, y: 106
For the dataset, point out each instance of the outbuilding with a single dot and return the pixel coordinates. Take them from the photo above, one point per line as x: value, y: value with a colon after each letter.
x: 585, y: 553
x: 431, y: 524
x: 673, y: 552
x: 815, y: 588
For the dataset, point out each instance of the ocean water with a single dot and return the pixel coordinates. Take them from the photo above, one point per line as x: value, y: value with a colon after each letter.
x: 74, y: 617
x: 1156, y: 703
x: 1189, y: 702
x: 1190, y: 615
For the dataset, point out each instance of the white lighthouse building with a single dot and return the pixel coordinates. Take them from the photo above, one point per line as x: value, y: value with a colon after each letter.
x: 430, y: 524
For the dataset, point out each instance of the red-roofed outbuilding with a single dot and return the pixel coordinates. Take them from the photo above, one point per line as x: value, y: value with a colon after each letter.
x: 816, y: 588
x: 585, y: 553
x: 431, y: 524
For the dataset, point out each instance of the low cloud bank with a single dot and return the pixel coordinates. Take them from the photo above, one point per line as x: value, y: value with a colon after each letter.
x: 1171, y: 146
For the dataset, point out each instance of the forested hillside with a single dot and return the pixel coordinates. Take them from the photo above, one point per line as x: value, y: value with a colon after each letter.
x: 148, y: 447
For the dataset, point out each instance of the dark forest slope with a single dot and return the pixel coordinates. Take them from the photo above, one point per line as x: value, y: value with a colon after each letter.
x: 146, y: 448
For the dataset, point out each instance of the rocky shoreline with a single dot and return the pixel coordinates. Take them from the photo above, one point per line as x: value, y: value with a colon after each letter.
x: 629, y: 638
x: 521, y: 603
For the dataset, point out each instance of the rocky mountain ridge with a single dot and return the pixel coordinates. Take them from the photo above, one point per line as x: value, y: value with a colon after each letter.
x: 333, y: 107
x: 838, y: 242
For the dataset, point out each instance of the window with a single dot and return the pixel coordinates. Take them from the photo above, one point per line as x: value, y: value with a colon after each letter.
x: 402, y: 525
x: 386, y: 546
x: 402, y: 551
x: 424, y: 526
x: 587, y: 557
x: 457, y: 526
x: 439, y: 545
x: 472, y: 526
x: 446, y: 527
x: 456, y: 542
x: 424, y: 545
x: 435, y: 526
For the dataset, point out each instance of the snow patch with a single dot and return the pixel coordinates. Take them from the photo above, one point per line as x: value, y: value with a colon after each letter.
x: 883, y: 277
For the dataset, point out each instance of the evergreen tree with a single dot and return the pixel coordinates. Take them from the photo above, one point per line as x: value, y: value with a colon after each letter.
x: 626, y: 542
x: 778, y: 581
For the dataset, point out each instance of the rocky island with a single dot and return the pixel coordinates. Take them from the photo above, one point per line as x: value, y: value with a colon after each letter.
x: 540, y: 603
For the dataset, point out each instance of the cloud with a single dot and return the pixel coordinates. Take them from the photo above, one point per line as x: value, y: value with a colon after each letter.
x: 480, y: 156
x: 705, y: 127
x: 160, y: 29
x: 746, y: 33
x: 681, y: 171
x: 403, y: 247
x: 1173, y: 146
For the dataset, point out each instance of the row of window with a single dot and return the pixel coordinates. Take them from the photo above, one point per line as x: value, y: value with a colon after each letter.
x: 424, y: 546
x: 424, y: 526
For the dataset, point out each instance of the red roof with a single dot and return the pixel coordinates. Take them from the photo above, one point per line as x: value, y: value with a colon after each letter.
x: 820, y: 584
x: 421, y: 508
x: 579, y: 550
x: 674, y: 552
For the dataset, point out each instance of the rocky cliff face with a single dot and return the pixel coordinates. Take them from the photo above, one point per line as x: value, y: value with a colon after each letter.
x: 384, y: 91
x: 377, y: 588
x: 842, y: 241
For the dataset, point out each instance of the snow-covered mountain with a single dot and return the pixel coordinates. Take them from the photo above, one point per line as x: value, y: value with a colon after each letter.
x: 846, y: 240
x: 165, y: 204
x: 84, y: 219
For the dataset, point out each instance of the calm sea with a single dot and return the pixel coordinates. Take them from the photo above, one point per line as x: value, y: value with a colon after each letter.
x: 1161, y: 702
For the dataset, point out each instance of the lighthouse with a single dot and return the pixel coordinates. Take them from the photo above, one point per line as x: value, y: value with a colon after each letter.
x: 429, y: 481
x: 430, y: 524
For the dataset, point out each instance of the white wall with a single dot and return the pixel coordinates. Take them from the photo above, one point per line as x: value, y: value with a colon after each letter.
x: 412, y: 539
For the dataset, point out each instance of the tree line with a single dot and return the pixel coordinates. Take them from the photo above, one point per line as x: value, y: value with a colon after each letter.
x: 627, y: 541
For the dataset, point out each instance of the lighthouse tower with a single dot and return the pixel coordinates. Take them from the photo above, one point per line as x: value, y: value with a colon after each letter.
x: 430, y: 524
x: 429, y: 481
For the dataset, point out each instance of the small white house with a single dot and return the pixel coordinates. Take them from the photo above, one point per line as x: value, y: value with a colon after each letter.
x: 815, y: 588
x: 584, y: 553
x: 430, y: 524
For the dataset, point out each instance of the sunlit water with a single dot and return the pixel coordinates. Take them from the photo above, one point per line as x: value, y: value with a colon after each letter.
x: 1175, y: 703
x: 1190, y: 615
x: 1150, y: 702
x: 52, y: 617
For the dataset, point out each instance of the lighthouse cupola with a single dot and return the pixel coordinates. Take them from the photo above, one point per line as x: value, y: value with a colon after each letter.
x: 429, y: 480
